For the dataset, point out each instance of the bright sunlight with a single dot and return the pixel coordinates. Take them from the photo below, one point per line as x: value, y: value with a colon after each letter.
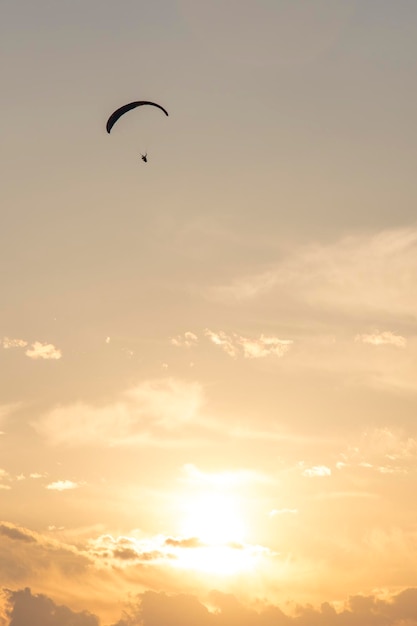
x: 215, y: 521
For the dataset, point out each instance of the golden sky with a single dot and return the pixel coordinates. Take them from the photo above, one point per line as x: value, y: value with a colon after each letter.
x: 208, y: 369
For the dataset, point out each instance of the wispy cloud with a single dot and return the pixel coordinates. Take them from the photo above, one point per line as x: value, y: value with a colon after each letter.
x: 8, y: 343
x: 5, y: 411
x: 15, y: 533
x: 4, y: 480
x: 249, y: 348
x: 151, y: 412
x: 382, y: 450
x: 187, y: 340
x: 225, y: 479
x: 223, y: 340
x: 316, y: 470
x: 365, y: 273
x: 382, y: 338
x: 276, y: 512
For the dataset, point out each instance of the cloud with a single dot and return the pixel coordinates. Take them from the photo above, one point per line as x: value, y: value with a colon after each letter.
x: 46, y: 351
x: 276, y: 512
x: 364, y: 273
x: 152, y: 412
x: 153, y: 608
x: 317, y: 470
x: 4, y: 476
x: 12, y: 532
x: 228, y: 479
x: 157, y: 608
x: 168, y: 553
x: 264, y: 346
x: 125, y: 551
x: 187, y: 340
x: 384, y: 450
x: 29, y: 556
x: 189, y: 542
x: 384, y: 338
x: 23, y: 609
x: 224, y: 341
x: 102, y: 572
x: 37, y: 350
x: 62, y: 485
x: 8, y: 343
x: 235, y: 344
x: 6, y: 410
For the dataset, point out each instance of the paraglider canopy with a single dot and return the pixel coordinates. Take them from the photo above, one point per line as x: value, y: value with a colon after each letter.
x: 128, y: 107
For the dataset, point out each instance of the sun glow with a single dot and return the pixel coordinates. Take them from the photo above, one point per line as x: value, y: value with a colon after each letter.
x: 214, y: 518
x: 219, y: 560
x: 215, y: 521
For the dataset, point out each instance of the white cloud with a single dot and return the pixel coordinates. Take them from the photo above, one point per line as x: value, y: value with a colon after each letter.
x: 8, y: 343
x: 264, y: 346
x: 33, y: 475
x: 382, y: 338
x: 46, y: 351
x: 276, y: 512
x: 224, y: 341
x: 187, y: 340
x: 37, y: 350
x: 152, y: 412
x: 317, y: 470
x: 62, y: 485
x: 235, y: 344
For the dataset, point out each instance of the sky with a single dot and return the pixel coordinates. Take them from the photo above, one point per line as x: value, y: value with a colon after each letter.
x: 208, y: 362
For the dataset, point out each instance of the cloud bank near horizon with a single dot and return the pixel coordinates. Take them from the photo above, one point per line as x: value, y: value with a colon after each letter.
x: 23, y: 607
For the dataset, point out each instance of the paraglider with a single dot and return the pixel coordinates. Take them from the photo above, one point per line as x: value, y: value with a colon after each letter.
x: 117, y: 114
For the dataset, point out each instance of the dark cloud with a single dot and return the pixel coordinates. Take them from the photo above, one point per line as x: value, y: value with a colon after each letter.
x: 126, y: 554
x: 156, y: 609
x: 129, y: 554
x: 25, y: 556
x: 25, y: 609
x: 160, y: 609
x: 15, y: 533
x: 191, y: 542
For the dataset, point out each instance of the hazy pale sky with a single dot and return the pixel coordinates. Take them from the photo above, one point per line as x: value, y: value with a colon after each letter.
x: 208, y: 363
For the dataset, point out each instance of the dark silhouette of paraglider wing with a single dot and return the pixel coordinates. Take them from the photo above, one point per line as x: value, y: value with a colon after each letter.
x: 128, y: 107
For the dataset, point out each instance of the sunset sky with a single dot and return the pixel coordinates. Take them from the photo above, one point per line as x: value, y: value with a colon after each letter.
x: 208, y: 363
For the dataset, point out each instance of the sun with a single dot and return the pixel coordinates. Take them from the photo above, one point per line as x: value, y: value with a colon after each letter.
x: 214, y: 518
x: 216, y: 525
